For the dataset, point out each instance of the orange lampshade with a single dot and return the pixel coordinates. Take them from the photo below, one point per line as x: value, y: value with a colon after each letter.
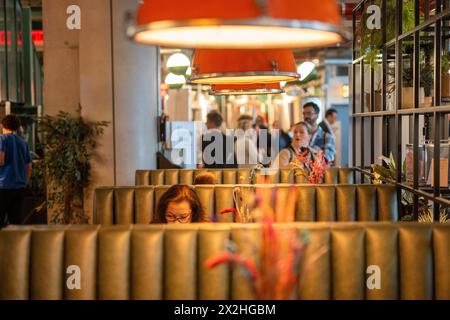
x: 245, y: 89
x: 214, y: 66
x: 238, y: 23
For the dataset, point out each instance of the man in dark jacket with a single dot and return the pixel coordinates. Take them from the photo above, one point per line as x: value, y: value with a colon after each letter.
x: 217, y: 148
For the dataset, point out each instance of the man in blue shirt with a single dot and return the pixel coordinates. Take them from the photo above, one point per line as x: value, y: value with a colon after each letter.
x: 322, y: 138
x: 15, y: 171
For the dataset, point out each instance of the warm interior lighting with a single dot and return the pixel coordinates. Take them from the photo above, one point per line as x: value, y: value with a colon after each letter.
x: 211, y: 66
x: 306, y: 69
x: 175, y: 81
x: 245, y: 89
x: 345, y: 91
x: 238, y: 24
x: 178, y: 63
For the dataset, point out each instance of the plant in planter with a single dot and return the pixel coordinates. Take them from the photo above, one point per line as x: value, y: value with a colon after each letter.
x: 426, y: 68
x: 445, y: 77
x: 372, y: 39
x: 64, y: 170
x: 387, y: 173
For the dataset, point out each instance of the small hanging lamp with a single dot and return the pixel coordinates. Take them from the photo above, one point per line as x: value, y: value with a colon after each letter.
x: 178, y: 63
x: 245, y: 89
x: 213, y: 66
x: 238, y: 23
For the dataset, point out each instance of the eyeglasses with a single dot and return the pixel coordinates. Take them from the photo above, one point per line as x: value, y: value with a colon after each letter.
x: 309, y: 113
x: 181, y: 218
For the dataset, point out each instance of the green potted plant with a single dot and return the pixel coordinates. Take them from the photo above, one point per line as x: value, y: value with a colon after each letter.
x: 445, y: 76
x: 64, y: 171
x: 387, y: 173
x: 372, y: 41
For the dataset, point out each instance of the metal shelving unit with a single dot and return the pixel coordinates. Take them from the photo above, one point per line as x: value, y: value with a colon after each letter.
x: 427, y: 24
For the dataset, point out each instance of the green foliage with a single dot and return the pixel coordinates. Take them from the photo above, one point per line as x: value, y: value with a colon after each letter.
x: 408, y: 15
x: 64, y: 170
x: 387, y: 172
x: 445, y: 63
x: 372, y: 40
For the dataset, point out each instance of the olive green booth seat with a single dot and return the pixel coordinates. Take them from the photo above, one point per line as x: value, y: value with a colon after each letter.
x: 167, y: 262
x: 233, y: 176
x: 129, y: 205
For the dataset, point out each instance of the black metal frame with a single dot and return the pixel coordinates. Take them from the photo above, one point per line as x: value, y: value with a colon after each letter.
x: 437, y: 111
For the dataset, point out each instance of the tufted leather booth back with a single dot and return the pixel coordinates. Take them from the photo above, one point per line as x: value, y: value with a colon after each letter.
x: 166, y: 262
x: 129, y: 205
x: 233, y: 176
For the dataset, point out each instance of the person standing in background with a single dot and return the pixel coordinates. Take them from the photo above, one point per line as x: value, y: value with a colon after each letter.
x: 220, y: 153
x: 245, y: 146
x: 330, y: 117
x: 264, y: 141
x: 322, y: 138
x: 283, y: 138
x: 15, y: 171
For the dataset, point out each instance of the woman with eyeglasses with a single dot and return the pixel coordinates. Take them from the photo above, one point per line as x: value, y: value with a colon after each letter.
x: 179, y: 204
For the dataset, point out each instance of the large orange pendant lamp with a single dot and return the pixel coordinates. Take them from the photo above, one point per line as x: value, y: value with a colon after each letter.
x: 238, y: 23
x: 245, y: 89
x: 214, y: 66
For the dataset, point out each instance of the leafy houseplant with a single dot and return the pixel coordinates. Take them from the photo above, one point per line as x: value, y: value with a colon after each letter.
x: 387, y: 172
x: 445, y: 76
x: 372, y: 40
x: 64, y: 170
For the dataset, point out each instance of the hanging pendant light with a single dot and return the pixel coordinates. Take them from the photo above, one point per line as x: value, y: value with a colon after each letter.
x: 178, y: 63
x: 245, y: 89
x: 238, y: 23
x: 213, y: 66
x: 175, y: 81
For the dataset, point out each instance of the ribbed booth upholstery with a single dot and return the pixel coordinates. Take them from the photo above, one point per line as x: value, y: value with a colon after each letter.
x: 233, y: 176
x: 167, y: 262
x: 129, y: 205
